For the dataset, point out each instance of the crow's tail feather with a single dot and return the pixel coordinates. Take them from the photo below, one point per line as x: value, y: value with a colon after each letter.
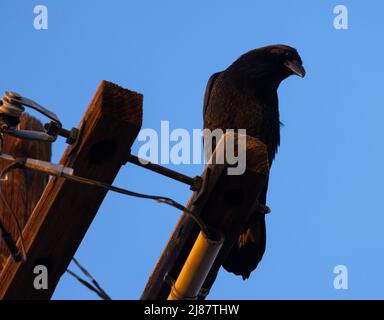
x: 249, y: 248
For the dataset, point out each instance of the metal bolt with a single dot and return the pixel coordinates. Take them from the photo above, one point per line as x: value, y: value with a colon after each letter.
x: 72, y: 137
x: 197, y: 183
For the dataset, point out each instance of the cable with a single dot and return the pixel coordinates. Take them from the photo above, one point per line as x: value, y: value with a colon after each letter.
x: 41, y: 166
x: 91, y: 278
x: 66, y: 173
x: 7, y: 237
x: 95, y: 287
x: 165, y: 200
x: 21, y: 163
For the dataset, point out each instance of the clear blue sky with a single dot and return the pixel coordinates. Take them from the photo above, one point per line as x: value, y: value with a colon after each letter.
x: 327, y: 182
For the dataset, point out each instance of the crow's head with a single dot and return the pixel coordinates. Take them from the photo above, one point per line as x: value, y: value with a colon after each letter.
x: 276, y: 62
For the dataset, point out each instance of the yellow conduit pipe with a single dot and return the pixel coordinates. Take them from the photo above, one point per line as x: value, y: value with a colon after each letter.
x: 197, y: 266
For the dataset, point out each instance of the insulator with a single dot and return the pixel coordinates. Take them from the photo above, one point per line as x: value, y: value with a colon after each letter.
x: 10, y: 110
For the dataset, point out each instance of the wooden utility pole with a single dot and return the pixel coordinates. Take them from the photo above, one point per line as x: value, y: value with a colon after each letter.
x: 66, y: 209
x: 22, y: 188
x: 225, y: 203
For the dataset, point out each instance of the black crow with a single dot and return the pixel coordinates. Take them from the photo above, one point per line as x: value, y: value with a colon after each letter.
x: 244, y: 96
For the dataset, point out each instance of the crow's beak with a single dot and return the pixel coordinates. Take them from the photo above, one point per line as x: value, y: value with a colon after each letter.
x: 295, y: 67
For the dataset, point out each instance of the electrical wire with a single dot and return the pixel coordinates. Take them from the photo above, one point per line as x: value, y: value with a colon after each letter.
x: 21, y: 163
x: 10, y: 243
x: 90, y: 277
x: 15, y: 252
x: 95, y: 287
x: 42, y: 167
x: 159, y: 199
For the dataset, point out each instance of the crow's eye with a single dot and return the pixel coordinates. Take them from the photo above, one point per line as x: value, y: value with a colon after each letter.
x: 288, y: 54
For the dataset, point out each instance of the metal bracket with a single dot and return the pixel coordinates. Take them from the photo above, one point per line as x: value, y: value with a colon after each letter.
x: 79, y: 136
x: 11, y: 109
x: 15, y: 98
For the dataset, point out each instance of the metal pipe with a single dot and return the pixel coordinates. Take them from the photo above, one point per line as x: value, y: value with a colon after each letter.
x: 197, y: 266
x: 195, y: 183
